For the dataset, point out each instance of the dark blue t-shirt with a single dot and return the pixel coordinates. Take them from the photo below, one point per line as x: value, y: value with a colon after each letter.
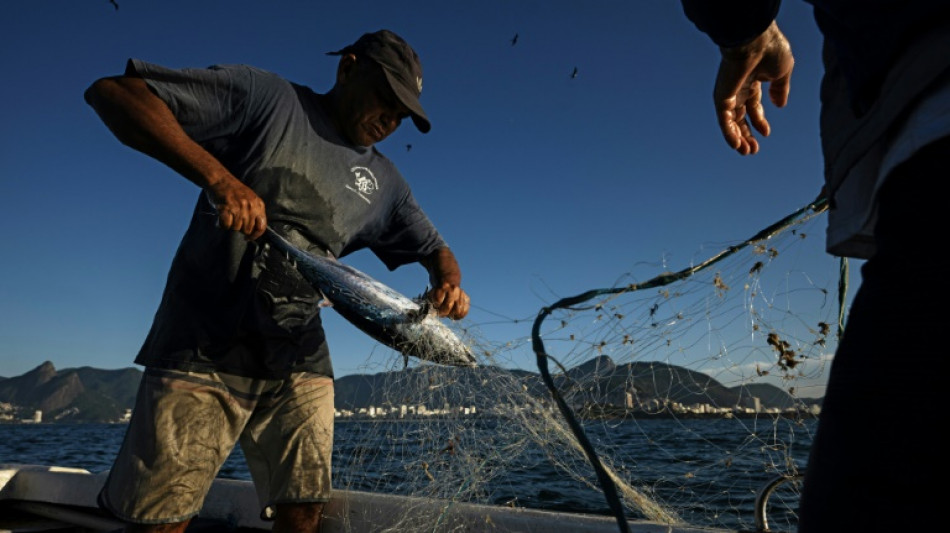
x: 236, y: 307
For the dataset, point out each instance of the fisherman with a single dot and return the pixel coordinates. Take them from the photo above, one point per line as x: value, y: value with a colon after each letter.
x: 236, y: 351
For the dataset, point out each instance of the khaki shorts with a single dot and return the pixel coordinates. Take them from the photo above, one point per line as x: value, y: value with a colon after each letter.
x: 185, y: 425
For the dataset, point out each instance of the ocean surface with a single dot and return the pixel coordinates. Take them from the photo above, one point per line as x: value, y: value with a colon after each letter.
x: 679, y: 463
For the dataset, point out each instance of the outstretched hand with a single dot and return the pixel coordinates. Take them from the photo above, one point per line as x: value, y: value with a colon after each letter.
x: 738, y: 93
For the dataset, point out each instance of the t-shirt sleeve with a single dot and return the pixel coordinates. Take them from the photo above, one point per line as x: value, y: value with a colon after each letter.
x: 209, y: 103
x: 731, y: 22
x: 409, y: 237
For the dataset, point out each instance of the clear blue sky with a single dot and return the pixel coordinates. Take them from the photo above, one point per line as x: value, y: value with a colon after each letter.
x: 544, y: 185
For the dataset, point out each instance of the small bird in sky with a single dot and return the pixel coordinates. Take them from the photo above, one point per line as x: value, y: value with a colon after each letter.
x: 514, y: 40
x: 574, y: 74
x: 408, y: 147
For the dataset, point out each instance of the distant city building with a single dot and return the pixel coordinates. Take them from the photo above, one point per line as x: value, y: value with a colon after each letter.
x: 406, y: 411
x: 7, y: 412
x: 35, y: 419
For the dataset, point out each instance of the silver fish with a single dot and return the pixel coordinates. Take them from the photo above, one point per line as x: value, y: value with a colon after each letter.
x: 408, y: 326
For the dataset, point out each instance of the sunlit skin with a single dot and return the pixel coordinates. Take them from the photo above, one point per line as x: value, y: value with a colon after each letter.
x: 738, y: 92
x: 364, y: 108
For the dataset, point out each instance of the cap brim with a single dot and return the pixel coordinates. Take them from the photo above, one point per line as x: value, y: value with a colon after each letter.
x: 410, y: 100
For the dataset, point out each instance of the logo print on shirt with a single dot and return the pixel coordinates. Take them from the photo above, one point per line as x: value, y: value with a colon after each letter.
x: 364, y: 183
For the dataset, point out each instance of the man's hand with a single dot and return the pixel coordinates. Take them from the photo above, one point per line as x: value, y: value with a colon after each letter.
x: 446, y: 294
x: 449, y: 300
x: 738, y: 92
x: 239, y: 208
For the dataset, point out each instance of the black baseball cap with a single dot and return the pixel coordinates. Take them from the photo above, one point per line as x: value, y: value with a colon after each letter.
x: 401, y: 65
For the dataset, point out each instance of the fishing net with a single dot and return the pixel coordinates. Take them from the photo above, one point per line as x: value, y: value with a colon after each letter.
x: 675, y: 396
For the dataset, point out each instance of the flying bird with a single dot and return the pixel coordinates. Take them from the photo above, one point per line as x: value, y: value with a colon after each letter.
x: 514, y: 40
x: 574, y: 74
x: 408, y: 147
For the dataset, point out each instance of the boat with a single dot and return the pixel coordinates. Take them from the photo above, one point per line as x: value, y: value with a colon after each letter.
x: 38, y: 498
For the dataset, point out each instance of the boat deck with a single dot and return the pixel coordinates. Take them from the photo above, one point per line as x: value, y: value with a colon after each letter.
x: 43, y: 498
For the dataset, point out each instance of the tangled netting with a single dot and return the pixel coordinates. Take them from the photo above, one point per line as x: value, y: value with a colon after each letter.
x: 674, y: 397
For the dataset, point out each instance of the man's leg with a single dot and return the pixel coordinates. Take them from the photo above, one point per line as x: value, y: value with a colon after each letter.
x: 298, y: 518
x: 288, y: 445
x: 183, y: 427
x: 875, y: 463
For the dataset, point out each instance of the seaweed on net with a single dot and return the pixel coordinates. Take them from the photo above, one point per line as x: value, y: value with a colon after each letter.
x: 672, y: 400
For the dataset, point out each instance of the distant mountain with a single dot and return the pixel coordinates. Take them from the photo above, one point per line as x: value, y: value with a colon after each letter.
x: 75, y: 395
x: 94, y: 395
x: 772, y: 396
x: 608, y: 383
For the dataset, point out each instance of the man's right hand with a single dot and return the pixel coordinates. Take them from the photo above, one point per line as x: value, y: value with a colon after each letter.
x: 239, y: 208
x: 738, y: 92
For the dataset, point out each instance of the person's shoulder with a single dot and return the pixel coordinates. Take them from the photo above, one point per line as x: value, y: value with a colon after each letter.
x: 261, y: 80
x: 245, y: 68
x: 381, y: 159
x: 383, y: 164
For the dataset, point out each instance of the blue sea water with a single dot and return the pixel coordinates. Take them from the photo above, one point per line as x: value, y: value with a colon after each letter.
x: 708, y: 471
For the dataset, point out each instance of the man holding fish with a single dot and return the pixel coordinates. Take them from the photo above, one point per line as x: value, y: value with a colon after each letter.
x: 237, y: 352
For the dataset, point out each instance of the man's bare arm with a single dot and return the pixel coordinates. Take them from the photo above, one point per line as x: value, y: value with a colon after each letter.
x: 141, y: 120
